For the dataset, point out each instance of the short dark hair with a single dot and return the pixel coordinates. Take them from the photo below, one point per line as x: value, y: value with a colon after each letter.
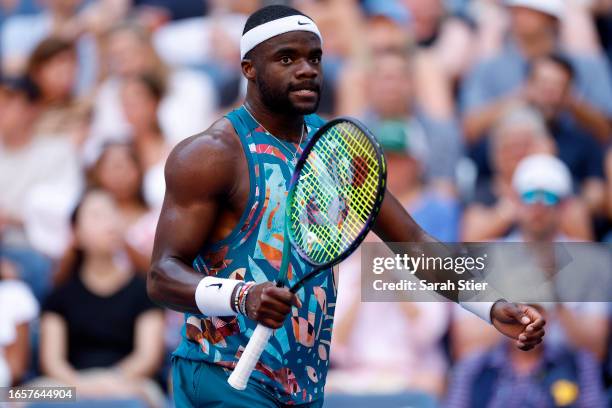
x: 559, y: 59
x: 269, y: 13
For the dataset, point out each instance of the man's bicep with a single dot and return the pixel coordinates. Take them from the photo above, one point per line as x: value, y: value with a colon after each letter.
x: 198, y: 175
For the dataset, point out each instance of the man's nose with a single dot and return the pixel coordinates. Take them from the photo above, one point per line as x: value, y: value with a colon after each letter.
x: 306, y: 69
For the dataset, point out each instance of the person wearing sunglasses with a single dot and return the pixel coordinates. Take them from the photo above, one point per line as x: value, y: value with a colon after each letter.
x: 543, y: 185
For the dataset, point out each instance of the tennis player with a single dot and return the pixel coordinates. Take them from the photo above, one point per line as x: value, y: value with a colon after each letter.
x: 220, y: 235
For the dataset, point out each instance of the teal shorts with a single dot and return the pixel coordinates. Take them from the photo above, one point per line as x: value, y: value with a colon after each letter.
x: 200, y: 384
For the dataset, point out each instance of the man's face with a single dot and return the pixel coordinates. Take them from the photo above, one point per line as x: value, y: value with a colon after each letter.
x: 539, y: 215
x: 389, y: 87
x: 288, y: 72
x: 529, y: 23
x: 549, y: 84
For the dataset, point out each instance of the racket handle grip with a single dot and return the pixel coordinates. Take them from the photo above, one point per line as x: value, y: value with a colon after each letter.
x: 241, y: 374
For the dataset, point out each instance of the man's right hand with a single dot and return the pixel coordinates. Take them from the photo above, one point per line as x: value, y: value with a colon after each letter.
x: 270, y: 305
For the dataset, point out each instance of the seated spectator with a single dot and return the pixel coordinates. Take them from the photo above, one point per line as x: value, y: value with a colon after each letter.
x: 406, y: 153
x: 140, y: 97
x: 393, y: 96
x: 385, y: 348
x: 494, y: 210
x: 52, y: 67
x: 547, y: 376
x: 18, y: 308
x: 99, y: 331
x: 574, y: 124
x: 28, y: 163
x: 186, y: 109
x: 118, y: 171
x: 542, y: 183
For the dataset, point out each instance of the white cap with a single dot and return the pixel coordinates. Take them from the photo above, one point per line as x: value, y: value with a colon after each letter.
x: 542, y: 172
x: 553, y: 8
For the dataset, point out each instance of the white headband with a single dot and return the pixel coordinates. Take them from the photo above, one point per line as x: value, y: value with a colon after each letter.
x: 264, y: 32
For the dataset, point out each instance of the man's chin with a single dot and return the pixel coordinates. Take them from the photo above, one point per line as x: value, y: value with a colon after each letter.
x: 305, y: 109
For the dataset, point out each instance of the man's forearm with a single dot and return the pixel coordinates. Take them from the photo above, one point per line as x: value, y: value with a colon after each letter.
x: 172, y: 284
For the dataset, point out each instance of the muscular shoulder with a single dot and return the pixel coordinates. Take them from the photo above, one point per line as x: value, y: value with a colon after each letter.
x: 204, y: 165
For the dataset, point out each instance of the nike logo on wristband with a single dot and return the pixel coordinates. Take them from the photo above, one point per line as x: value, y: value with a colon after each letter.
x: 215, y: 284
x: 303, y: 23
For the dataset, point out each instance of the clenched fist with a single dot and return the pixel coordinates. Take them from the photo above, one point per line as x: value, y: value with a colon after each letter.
x: 270, y: 305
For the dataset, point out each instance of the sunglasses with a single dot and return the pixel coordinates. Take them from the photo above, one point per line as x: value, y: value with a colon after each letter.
x: 540, y: 196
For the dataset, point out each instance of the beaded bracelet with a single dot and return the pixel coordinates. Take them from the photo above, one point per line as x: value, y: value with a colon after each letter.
x: 243, y: 297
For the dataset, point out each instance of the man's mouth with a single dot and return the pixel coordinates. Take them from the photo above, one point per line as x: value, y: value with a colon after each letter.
x: 307, y: 93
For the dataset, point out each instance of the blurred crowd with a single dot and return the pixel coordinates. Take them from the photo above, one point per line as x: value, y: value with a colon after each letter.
x: 496, y: 121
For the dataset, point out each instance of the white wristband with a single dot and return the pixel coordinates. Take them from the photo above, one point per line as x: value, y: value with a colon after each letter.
x: 480, y: 309
x: 214, y: 296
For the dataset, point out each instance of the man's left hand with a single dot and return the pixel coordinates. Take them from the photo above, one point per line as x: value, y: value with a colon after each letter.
x: 521, y: 322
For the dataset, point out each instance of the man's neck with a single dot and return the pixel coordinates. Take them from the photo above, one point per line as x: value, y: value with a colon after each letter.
x: 281, y: 125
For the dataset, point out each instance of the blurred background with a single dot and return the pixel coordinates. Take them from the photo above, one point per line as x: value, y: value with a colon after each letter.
x: 467, y: 98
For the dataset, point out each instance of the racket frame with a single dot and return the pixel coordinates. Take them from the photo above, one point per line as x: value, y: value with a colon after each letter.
x: 382, y: 177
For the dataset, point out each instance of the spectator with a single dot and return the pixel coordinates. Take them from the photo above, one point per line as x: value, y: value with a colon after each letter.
x: 494, y: 210
x: 140, y: 97
x: 118, y: 171
x: 542, y: 183
x: 27, y: 164
x: 18, y: 308
x: 406, y: 152
x: 99, y: 331
x: 185, y: 110
x: 546, y: 376
x: 52, y: 67
x: 581, y: 324
x: 394, y: 95
x: 573, y: 124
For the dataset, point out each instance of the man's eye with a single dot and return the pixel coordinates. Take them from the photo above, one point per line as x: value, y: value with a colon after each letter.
x: 316, y: 60
x: 285, y: 60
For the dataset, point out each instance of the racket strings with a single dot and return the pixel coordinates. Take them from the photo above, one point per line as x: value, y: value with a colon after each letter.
x: 335, y: 193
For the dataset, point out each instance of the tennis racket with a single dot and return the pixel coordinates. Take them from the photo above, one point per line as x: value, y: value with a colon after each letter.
x: 334, y: 197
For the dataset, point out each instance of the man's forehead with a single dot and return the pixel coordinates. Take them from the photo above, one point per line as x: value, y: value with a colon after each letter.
x: 294, y: 39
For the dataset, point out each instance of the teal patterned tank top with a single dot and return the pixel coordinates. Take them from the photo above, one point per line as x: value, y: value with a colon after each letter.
x: 294, y: 365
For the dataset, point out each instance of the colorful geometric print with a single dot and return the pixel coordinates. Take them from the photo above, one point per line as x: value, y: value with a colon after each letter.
x: 294, y: 364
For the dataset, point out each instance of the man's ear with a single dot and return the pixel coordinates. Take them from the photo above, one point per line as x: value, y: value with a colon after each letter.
x: 248, y: 69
